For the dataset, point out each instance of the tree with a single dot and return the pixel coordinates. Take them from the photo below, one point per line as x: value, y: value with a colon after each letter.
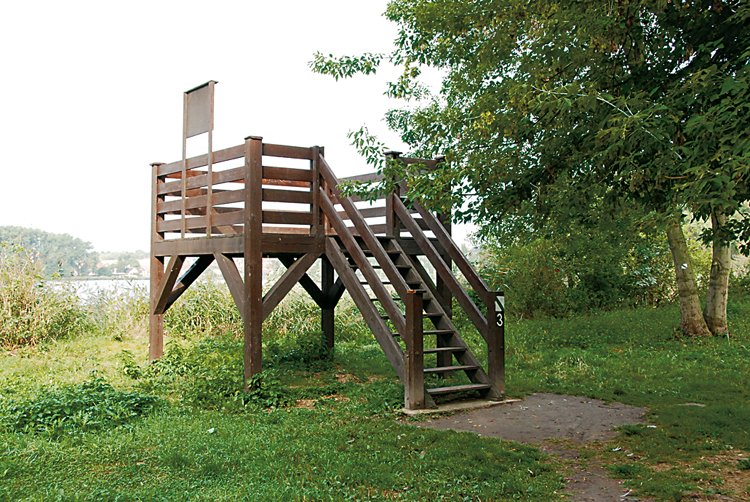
x: 542, y: 101
x: 60, y: 254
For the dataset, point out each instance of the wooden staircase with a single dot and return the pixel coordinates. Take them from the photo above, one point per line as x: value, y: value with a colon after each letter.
x: 384, y: 282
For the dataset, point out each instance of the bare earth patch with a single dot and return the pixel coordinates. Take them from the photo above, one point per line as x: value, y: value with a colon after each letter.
x: 555, y: 423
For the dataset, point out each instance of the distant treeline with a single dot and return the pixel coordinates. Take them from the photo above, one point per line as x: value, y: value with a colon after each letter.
x: 62, y: 255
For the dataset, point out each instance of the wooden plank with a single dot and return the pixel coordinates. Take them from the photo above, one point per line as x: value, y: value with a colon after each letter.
x: 453, y: 251
x: 305, y: 281
x: 233, y: 279
x: 195, y: 270
x: 290, y: 196
x: 355, y: 251
x: 286, y: 183
x: 253, y: 253
x: 367, y: 212
x: 167, y: 282
x: 287, y: 217
x: 366, y: 308
x: 442, y: 269
x: 414, y: 394
x: 289, y: 152
x: 287, y: 173
x: 231, y: 153
x: 286, y: 282
x: 367, y: 233
x: 234, y: 175
x: 200, y: 246
x: 219, y: 197
x: 232, y: 217
x: 364, y: 178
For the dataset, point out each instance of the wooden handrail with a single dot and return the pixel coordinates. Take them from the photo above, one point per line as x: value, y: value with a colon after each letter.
x: 444, y: 272
x: 365, y: 231
x: 453, y: 251
x: 362, y: 262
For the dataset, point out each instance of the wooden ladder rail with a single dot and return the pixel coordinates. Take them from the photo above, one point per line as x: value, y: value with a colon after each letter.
x: 409, y: 323
x: 367, y: 235
x: 493, y: 331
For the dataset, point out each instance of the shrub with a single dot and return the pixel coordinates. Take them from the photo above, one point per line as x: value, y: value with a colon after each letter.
x: 85, y: 407
x: 30, y: 310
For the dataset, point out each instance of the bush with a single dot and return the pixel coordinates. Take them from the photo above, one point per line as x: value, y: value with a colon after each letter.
x: 582, y: 271
x: 30, y: 310
x: 85, y: 407
x: 209, y: 375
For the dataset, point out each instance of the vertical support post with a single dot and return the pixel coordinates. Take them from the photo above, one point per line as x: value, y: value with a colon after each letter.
x: 414, y: 395
x: 156, y: 322
x: 253, y: 251
x: 496, y: 344
x: 183, y: 172
x: 316, y: 227
x: 392, y: 228
x: 328, y: 309
x: 210, y: 163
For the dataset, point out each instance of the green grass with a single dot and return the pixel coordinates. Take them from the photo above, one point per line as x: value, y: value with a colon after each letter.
x: 696, y: 390
x: 327, y: 429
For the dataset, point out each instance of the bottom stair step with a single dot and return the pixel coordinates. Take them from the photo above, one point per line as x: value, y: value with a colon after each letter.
x: 458, y: 388
x: 445, y: 369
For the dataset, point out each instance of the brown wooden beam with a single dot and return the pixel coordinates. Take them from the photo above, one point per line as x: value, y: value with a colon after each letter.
x: 327, y: 310
x: 167, y: 282
x: 414, y: 394
x: 253, y: 251
x: 233, y: 279
x: 305, y: 281
x: 286, y: 282
x: 195, y: 270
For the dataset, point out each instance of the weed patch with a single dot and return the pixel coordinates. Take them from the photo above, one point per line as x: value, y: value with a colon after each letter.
x: 85, y: 407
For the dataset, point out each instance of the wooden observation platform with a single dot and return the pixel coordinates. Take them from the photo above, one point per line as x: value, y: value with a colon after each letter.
x: 240, y: 203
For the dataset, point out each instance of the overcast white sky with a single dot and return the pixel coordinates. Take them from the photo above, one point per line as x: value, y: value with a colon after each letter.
x: 92, y: 93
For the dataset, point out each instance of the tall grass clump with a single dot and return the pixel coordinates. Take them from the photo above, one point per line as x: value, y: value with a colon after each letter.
x: 206, y: 308
x: 31, y: 311
x: 117, y: 313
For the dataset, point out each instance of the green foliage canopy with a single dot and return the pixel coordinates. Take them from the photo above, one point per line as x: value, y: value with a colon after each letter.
x: 543, y: 101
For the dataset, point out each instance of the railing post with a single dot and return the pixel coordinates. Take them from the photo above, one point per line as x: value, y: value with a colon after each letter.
x: 496, y: 343
x: 392, y: 228
x: 414, y: 389
x: 316, y: 228
x: 156, y: 321
x: 253, y: 252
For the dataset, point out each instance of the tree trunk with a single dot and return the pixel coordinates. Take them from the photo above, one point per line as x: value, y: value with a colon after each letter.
x: 692, y: 322
x: 715, y: 313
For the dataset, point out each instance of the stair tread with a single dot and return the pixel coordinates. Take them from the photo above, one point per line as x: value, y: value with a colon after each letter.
x: 433, y: 332
x: 460, y: 367
x: 459, y: 388
x: 435, y: 350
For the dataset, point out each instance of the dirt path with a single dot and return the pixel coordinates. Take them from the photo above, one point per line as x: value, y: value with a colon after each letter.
x: 556, y: 424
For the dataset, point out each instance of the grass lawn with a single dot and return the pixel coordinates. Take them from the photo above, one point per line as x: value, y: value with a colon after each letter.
x: 333, y: 431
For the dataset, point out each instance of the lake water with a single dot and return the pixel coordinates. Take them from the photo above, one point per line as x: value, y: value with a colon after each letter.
x: 87, y: 288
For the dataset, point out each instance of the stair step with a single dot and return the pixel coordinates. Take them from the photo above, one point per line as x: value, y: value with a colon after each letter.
x: 354, y: 266
x: 445, y: 369
x: 384, y: 283
x: 436, y: 350
x: 458, y: 388
x: 432, y: 332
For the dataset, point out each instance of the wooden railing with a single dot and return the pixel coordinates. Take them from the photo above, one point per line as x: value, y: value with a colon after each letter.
x: 193, y: 202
